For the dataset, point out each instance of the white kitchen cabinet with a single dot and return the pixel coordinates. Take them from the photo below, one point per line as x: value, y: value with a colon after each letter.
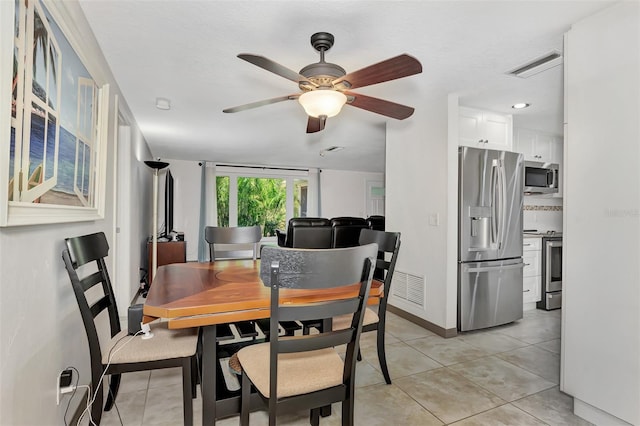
x: 532, y: 276
x: 538, y: 146
x: 485, y: 129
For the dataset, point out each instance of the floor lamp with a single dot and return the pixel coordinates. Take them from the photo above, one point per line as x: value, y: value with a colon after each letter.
x: 156, y: 166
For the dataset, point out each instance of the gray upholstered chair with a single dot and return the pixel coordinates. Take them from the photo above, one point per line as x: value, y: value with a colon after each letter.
x: 306, y: 372
x: 232, y: 236
x: 236, y: 237
x: 122, y: 353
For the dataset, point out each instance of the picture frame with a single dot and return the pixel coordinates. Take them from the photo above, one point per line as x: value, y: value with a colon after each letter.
x: 54, y: 130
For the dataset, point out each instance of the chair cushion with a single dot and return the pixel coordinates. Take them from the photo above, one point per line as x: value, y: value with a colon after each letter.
x: 165, y: 344
x: 344, y: 321
x: 298, y: 373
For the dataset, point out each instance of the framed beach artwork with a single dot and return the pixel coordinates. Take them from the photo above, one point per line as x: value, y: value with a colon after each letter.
x: 53, y: 132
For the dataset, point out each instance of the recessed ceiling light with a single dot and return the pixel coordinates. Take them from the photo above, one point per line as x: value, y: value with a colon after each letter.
x: 520, y: 105
x: 163, y: 103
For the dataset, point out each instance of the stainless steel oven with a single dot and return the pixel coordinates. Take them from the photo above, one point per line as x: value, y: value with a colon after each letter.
x: 551, y: 273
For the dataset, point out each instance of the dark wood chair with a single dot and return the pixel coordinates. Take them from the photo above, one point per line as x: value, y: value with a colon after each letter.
x: 297, y: 372
x: 122, y: 353
x: 388, y: 242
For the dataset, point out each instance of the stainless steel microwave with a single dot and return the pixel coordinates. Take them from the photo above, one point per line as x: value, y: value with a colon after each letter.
x: 540, y: 178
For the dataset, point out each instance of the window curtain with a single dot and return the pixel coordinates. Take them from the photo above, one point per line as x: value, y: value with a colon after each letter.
x: 313, y: 200
x: 208, y: 207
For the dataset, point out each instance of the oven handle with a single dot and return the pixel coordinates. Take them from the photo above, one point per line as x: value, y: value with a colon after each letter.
x: 551, y: 244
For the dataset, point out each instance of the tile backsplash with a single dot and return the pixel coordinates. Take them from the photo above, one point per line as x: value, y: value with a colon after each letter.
x: 542, y: 213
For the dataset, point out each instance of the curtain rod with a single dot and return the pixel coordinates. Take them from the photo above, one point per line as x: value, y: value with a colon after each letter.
x: 260, y: 167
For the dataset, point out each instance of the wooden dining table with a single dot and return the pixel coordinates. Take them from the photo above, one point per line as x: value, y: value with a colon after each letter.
x: 205, y: 295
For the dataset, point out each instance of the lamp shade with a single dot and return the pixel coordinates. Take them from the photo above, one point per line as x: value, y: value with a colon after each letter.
x: 325, y: 102
x: 158, y: 165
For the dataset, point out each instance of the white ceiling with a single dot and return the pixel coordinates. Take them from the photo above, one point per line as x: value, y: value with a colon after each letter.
x: 186, y: 51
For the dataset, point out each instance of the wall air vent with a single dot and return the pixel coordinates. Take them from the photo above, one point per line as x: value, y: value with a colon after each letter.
x: 537, y: 65
x: 408, y: 287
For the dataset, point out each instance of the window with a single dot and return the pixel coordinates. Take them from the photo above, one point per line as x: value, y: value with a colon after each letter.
x: 248, y: 196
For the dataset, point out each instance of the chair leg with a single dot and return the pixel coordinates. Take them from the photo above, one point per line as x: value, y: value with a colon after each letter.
x: 359, y: 355
x: 194, y: 376
x: 187, y: 402
x: 325, y: 411
x: 347, y: 411
x: 273, y: 412
x: 114, y: 385
x: 245, y: 400
x: 382, y: 357
x: 96, y: 408
x: 314, y: 417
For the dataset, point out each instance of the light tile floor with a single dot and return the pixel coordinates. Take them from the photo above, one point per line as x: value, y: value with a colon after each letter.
x: 506, y: 375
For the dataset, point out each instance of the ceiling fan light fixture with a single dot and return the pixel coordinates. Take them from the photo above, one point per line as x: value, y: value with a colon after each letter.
x: 325, y: 102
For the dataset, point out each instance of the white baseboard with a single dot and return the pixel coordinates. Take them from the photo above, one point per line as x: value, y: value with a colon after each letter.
x: 596, y: 415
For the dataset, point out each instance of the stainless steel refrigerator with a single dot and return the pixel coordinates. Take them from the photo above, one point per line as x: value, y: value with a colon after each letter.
x: 490, y: 191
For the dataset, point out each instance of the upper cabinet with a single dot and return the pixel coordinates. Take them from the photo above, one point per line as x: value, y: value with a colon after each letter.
x: 538, y: 146
x: 485, y: 129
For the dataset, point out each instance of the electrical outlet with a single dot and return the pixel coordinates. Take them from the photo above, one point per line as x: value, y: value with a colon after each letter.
x: 63, y: 383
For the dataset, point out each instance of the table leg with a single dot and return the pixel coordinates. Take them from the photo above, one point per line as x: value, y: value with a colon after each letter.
x: 209, y: 366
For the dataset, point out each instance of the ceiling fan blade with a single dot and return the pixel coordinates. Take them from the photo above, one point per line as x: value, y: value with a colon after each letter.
x: 261, y: 103
x: 391, y: 69
x: 379, y: 106
x: 316, y: 124
x: 274, y: 67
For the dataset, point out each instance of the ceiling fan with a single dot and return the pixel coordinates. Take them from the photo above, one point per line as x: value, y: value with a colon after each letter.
x: 326, y: 87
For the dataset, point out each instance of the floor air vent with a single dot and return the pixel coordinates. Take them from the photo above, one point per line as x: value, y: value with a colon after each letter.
x: 408, y: 287
x: 537, y: 65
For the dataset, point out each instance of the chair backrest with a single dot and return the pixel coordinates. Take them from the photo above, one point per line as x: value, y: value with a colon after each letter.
x: 232, y: 236
x: 345, y: 231
x: 82, y: 251
x: 308, y: 232
x: 306, y: 269
x: 388, y: 242
x: 376, y: 222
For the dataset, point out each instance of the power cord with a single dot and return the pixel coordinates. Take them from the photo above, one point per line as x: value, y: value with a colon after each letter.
x: 75, y: 388
x: 95, y: 394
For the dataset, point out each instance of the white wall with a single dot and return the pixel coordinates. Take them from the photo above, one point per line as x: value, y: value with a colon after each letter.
x: 416, y: 191
x: 601, y: 285
x: 41, y: 332
x: 343, y: 193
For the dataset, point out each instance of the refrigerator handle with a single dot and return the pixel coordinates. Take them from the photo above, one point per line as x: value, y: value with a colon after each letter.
x: 503, y: 204
x: 493, y: 195
x: 493, y: 268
